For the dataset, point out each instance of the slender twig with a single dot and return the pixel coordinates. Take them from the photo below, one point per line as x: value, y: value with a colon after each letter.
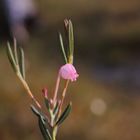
x: 63, y: 97
x: 56, y: 89
x: 28, y: 90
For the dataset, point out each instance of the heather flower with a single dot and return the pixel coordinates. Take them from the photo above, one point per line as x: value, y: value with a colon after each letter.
x: 68, y: 72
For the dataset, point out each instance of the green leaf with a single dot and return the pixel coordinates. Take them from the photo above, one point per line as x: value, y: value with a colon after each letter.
x: 40, y: 114
x: 43, y: 120
x: 45, y: 132
x: 11, y: 57
x: 43, y: 124
x: 65, y: 114
x: 47, y: 103
x: 15, y: 51
x: 35, y: 111
x: 55, y: 111
x: 71, y: 39
x: 21, y: 62
x: 62, y: 47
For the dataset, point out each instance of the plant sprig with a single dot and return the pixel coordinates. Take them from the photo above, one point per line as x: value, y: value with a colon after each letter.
x: 49, y: 123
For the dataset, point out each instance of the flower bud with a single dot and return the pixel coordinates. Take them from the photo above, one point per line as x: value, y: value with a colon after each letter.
x: 45, y: 92
x: 68, y: 72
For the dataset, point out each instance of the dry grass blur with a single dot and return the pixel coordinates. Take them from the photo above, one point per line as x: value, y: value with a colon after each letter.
x: 108, y: 34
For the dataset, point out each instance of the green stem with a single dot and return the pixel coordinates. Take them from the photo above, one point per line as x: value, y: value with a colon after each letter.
x: 53, y: 138
x: 54, y: 133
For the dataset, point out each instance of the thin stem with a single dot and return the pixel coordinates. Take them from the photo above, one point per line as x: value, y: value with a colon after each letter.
x: 51, y: 118
x: 53, y: 137
x: 63, y: 96
x: 56, y: 90
x: 28, y: 90
x: 54, y: 133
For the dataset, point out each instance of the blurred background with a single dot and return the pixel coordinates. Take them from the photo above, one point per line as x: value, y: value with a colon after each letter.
x: 106, y: 97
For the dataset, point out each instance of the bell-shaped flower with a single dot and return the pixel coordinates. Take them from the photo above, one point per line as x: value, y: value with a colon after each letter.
x: 68, y: 72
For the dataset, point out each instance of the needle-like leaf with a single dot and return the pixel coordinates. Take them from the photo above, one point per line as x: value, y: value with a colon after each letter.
x: 21, y: 62
x: 15, y: 52
x: 71, y: 38
x: 62, y: 47
x: 64, y: 114
x: 43, y: 124
x: 45, y: 132
x: 11, y: 57
x: 47, y: 103
x: 35, y: 111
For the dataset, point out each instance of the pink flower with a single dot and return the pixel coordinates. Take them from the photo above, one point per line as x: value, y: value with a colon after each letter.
x: 68, y: 72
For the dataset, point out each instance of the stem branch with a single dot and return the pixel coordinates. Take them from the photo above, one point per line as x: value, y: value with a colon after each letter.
x: 28, y: 90
x: 56, y: 90
x: 63, y: 96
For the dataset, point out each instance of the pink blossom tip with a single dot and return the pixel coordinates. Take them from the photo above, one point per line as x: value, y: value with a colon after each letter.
x: 68, y: 72
x: 45, y: 92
